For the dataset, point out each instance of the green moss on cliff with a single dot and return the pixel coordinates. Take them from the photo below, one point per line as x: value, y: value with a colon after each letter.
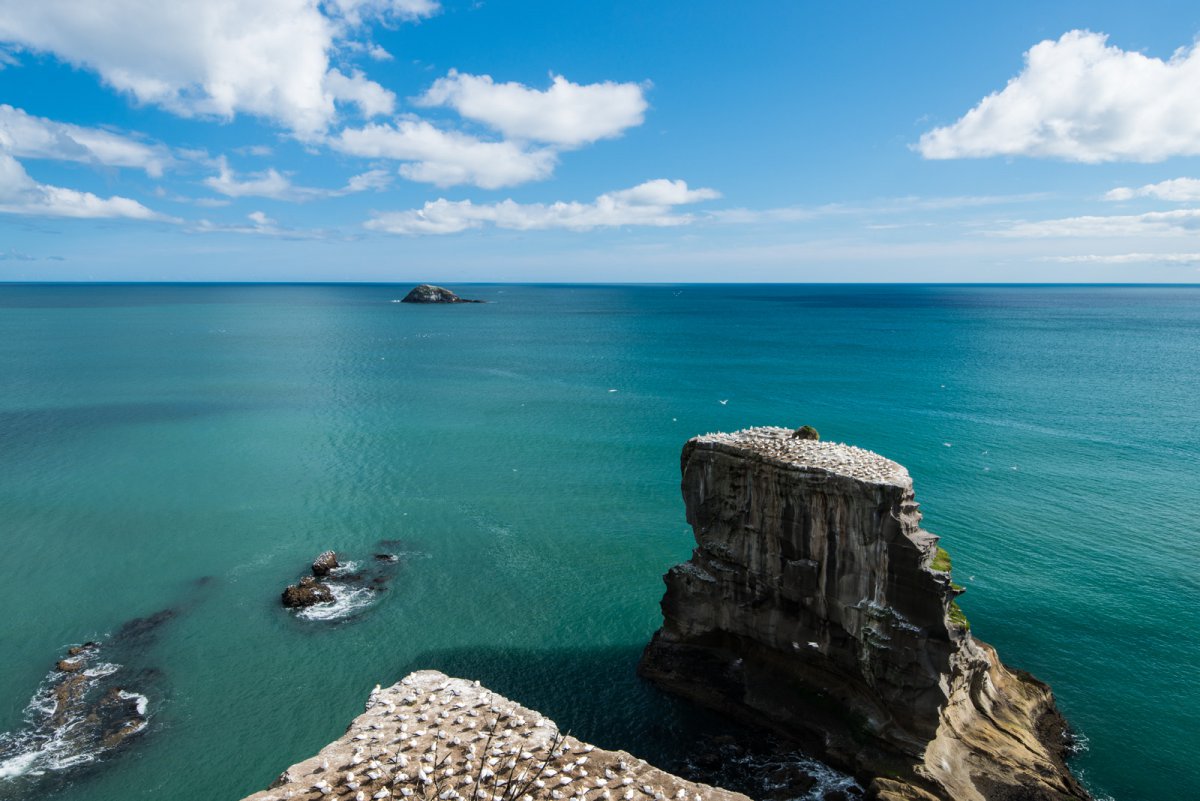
x: 957, y: 617
x: 941, y: 560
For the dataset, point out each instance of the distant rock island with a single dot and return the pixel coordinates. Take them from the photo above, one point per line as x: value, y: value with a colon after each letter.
x: 428, y: 293
x: 814, y: 604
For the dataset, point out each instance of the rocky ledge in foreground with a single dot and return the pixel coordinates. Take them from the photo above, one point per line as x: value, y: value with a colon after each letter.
x: 428, y: 293
x: 815, y: 604
x: 433, y: 738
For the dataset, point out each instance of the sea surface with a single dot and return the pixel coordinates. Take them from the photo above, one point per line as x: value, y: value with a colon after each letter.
x: 171, y: 456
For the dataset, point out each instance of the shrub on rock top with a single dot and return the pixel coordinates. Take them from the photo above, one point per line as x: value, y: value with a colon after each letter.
x: 806, y: 432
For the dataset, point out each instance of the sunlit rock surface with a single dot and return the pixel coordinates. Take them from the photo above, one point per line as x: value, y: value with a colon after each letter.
x: 433, y: 737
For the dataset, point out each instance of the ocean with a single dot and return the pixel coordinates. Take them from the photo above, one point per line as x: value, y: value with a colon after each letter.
x: 171, y: 456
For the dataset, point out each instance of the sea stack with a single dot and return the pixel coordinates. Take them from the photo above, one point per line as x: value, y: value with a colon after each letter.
x: 428, y: 293
x: 814, y: 604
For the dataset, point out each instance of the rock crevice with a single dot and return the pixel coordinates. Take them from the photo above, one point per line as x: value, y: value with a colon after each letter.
x: 812, y: 605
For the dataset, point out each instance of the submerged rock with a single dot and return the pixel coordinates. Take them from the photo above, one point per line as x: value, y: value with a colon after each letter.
x: 79, y: 713
x: 324, y: 564
x: 428, y: 293
x: 307, y: 592
x: 433, y: 737
x: 810, y: 606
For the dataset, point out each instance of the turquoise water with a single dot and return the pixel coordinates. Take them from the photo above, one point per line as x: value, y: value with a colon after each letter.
x: 194, y: 447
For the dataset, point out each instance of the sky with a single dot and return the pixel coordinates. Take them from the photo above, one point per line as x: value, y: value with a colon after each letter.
x: 527, y: 140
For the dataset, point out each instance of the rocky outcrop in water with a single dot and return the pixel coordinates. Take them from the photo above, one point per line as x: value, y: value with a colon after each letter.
x: 433, y: 738
x: 307, y: 592
x: 325, y: 564
x: 816, y: 605
x: 428, y: 293
x: 83, y: 709
x: 339, y: 589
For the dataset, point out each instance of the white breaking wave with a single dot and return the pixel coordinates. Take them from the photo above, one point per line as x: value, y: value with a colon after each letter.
x: 142, y: 701
x: 346, y: 602
x: 46, y: 744
x: 101, y: 670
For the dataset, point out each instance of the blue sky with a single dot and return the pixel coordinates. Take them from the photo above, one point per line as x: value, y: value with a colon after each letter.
x: 411, y: 140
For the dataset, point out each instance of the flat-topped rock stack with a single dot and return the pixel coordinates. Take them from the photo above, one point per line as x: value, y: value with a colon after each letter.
x: 815, y: 604
x: 430, y: 737
x: 781, y: 445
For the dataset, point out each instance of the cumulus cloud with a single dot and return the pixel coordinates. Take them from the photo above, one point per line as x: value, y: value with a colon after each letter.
x: 1177, y: 190
x: 651, y: 203
x: 1154, y: 223
x: 218, y: 58
x: 371, y: 98
x: 271, y: 183
x: 567, y: 114
x: 21, y: 194
x: 535, y: 126
x: 1081, y: 99
x: 446, y: 158
x: 26, y: 136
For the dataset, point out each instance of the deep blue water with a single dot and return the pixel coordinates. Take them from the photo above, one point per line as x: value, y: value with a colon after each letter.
x: 192, y: 447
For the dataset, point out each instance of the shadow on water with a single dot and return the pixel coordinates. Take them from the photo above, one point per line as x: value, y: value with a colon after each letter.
x: 32, y: 427
x: 597, y: 695
x: 95, y: 703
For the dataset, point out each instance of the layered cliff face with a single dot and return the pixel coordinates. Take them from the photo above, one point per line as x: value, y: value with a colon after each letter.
x: 814, y: 603
x: 430, y: 737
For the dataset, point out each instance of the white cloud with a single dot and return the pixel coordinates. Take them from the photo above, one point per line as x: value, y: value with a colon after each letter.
x: 1154, y: 223
x: 356, y: 11
x: 886, y: 205
x: 1178, y: 190
x: 254, y: 150
x: 1127, y: 258
x: 371, y: 98
x: 218, y: 58
x: 369, y: 181
x: 446, y: 158
x: 20, y: 194
x: 662, y: 192
x: 271, y: 183
x: 567, y: 114
x: 1081, y: 99
x: 651, y: 203
x: 260, y: 225
x: 26, y: 136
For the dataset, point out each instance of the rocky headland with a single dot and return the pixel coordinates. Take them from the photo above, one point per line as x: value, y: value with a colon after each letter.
x: 428, y: 293
x: 431, y: 737
x: 816, y: 605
